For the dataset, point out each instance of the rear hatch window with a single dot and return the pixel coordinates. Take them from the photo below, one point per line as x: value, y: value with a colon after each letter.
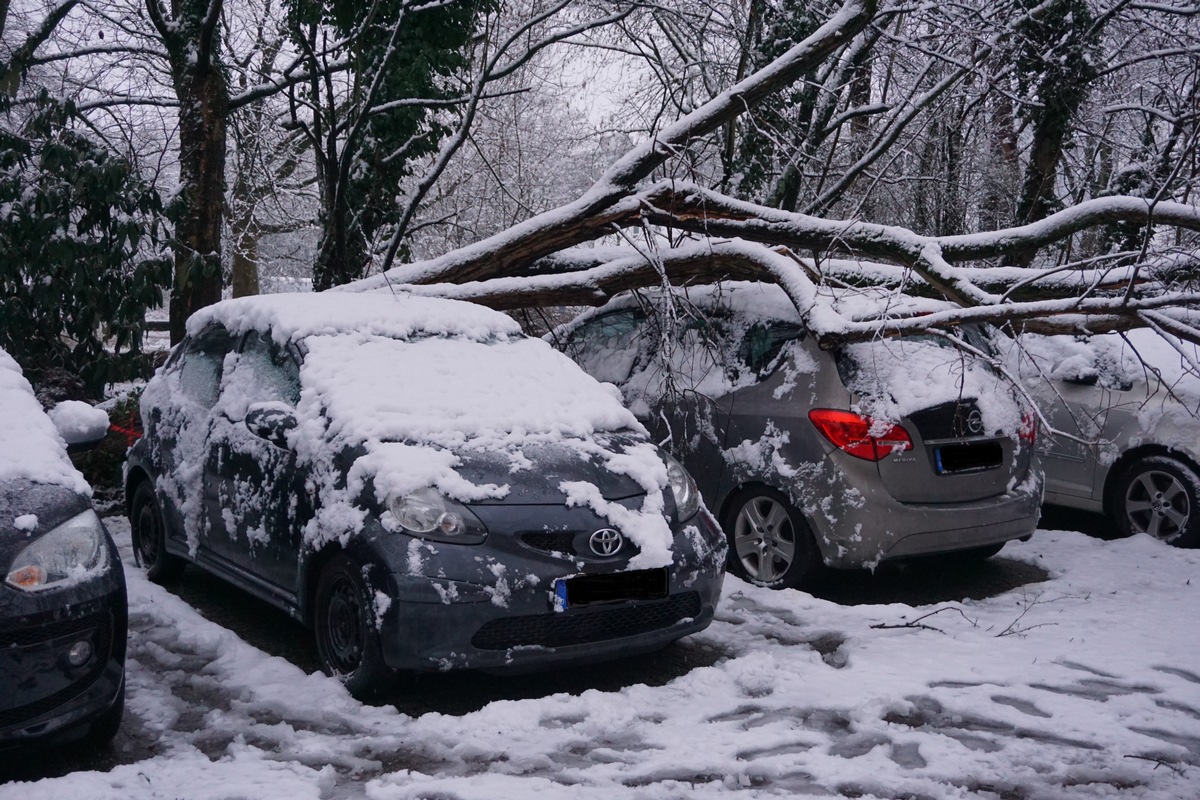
x: 961, y: 413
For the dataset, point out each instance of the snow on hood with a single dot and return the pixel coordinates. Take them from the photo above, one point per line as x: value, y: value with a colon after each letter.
x: 292, y: 316
x: 30, y: 446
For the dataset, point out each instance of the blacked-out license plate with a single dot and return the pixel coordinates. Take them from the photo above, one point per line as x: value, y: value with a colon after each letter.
x: 951, y: 459
x: 586, y: 590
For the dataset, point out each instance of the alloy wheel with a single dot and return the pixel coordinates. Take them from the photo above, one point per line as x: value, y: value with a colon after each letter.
x: 1157, y: 503
x: 764, y: 538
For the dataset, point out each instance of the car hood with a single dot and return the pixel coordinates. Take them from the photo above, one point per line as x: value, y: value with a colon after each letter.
x: 529, y: 474
x: 535, y: 473
x: 50, y: 503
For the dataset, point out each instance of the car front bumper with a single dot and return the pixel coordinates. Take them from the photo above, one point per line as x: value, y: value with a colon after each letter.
x: 504, y: 616
x: 43, y: 698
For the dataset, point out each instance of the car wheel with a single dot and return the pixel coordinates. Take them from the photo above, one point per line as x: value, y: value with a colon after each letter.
x: 149, y: 535
x: 347, y: 637
x: 102, y: 731
x: 770, y: 543
x: 1159, y: 496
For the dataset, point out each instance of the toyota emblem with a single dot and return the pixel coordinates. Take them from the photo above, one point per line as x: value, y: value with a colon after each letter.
x: 606, y: 542
x: 975, y: 422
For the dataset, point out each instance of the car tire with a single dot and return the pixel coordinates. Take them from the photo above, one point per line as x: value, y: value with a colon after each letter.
x: 347, y: 637
x: 1159, y: 496
x: 770, y: 542
x: 149, y: 533
x: 104, y: 729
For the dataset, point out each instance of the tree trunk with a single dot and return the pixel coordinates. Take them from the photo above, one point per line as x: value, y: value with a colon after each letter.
x: 246, y: 233
x: 204, y: 102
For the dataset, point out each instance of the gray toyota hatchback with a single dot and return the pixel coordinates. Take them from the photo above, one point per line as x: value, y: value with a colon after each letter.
x: 811, y: 457
x: 425, y: 486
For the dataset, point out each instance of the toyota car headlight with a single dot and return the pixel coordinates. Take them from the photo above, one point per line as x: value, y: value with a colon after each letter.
x: 431, y: 515
x: 70, y: 552
x: 683, y: 488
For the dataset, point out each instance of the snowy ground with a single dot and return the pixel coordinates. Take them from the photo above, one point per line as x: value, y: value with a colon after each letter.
x: 1084, y: 686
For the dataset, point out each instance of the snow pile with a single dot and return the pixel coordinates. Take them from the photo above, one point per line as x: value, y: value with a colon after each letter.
x: 79, y: 422
x: 293, y: 316
x: 453, y: 392
x: 30, y: 446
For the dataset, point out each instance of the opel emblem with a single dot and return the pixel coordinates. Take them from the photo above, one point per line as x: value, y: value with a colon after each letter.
x: 606, y: 542
x: 975, y: 422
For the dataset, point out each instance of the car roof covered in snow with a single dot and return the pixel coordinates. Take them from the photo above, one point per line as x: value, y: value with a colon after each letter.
x: 30, y: 446
x: 296, y: 315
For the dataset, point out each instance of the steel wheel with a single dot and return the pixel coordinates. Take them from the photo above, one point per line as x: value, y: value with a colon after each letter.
x: 149, y: 534
x: 1158, y: 496
x: 343, y: 629
x: 347, y: 640
x: 770, y: 543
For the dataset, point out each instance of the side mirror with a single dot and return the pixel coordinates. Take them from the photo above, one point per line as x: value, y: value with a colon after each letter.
x: 1082, y: 378
x: 271, y: 421
x: 81, y: 425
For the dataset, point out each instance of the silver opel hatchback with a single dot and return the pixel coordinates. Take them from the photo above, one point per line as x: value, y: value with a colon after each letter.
x: 814, y: 458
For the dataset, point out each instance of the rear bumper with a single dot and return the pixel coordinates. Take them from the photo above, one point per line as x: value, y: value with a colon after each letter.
x: 883, y: 529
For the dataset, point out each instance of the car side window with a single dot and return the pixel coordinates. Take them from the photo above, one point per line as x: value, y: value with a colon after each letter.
x: 264, y: 371
x: 607, y: 347
x: 202, y: 362
x: 763, y: 343
x: 274, y: 371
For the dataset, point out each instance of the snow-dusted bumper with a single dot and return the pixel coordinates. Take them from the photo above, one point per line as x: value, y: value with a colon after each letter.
x: 494, y: 607
x: 882, y: 528
x: 45, y: 695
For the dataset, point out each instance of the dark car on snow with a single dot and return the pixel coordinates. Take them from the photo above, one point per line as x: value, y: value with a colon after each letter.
x: 62, y: 598
x: 422, y: 484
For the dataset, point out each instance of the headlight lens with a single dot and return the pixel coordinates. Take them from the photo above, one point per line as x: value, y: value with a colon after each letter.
x: 431, y: 515
x: 71, y: 552
x: 683, y: 488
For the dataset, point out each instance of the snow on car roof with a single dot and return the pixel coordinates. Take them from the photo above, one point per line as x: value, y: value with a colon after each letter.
x: 295, y: 315
x: 30, y: 446
x: 451, y: 392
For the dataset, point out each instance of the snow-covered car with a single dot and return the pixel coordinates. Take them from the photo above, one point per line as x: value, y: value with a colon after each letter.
x: 1126, y: 408
x: 811, y: 457
x: 63, y: 614
x: 425, y: 486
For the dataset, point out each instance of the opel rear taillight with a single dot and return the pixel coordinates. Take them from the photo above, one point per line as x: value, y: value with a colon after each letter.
x: 860, y: 436
x: 1028, y: 431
